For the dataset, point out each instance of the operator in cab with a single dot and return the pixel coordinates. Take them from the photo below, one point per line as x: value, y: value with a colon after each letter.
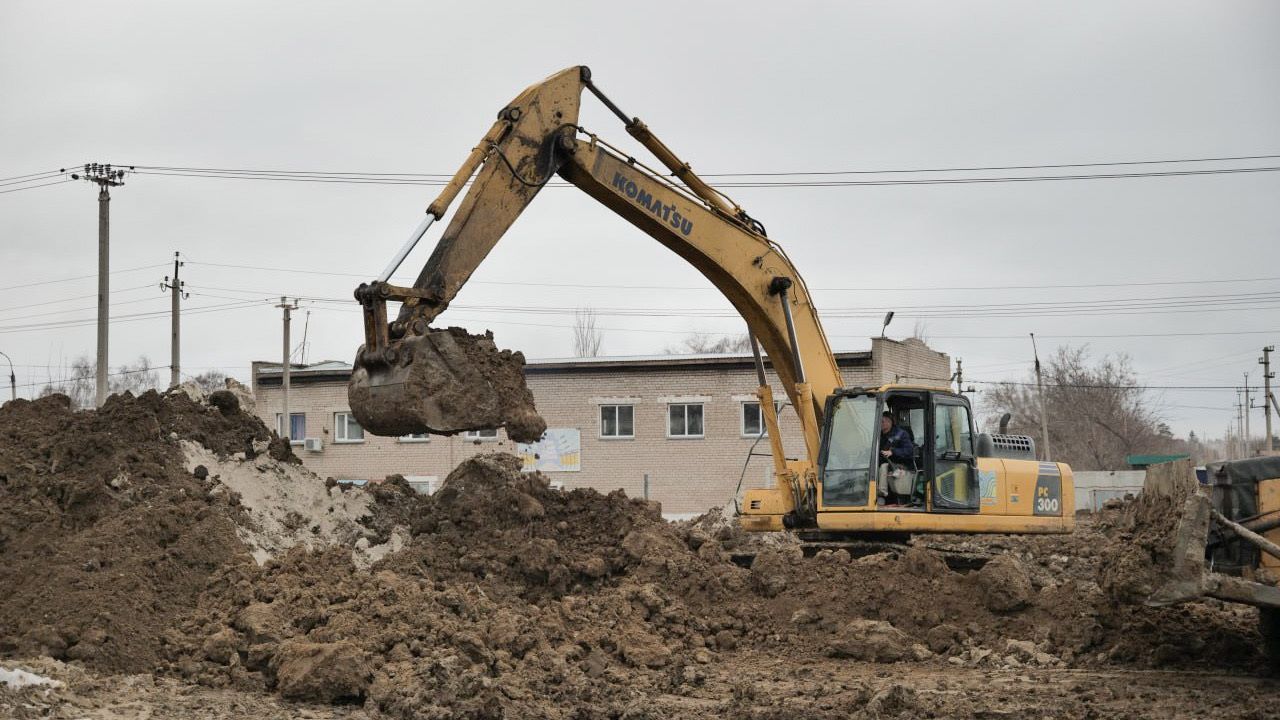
x: 895, y: 443
x: 897, y: 452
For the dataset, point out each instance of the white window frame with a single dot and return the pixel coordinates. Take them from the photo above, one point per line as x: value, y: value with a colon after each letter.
x: 618, y: 436
x: 419, y: 438
x: 280, y: 426
x: 339, y: 438
x: 686, y: 406
x: 475, y: 436
x: 742, y: 418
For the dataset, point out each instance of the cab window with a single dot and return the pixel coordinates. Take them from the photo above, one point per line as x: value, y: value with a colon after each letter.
x: 951, y: 430
x: 846, y: 473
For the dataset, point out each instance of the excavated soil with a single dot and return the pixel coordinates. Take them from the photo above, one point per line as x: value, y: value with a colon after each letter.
x: 446, y: 381
x: 107, y: 539
x: 212, y: 565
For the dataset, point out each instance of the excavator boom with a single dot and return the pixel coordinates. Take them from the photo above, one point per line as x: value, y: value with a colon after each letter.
x: 406, y: 367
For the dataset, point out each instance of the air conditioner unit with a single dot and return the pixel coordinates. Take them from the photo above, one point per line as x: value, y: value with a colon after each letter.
x: 313, y: 444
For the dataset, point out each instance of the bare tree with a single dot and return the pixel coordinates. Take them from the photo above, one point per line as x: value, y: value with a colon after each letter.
x: 1097, y: 412
x: 587, y: 338
x: 78, y: 381
x: 210, y: 380
x: 704, y: 342
x: 920, y: 331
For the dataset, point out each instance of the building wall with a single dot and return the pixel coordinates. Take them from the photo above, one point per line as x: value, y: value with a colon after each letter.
x: 1095, y: 487
x: 686, y: 475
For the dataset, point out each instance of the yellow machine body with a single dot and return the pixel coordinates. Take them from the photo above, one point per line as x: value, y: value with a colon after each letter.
x: 982, y: 494
x: 536, y: 137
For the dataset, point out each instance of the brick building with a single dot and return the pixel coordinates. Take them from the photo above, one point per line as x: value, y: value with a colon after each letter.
x: 687, y: 422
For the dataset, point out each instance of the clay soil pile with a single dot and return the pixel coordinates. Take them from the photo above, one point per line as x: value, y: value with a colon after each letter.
x: 107, y: 539
x: 171, y: 535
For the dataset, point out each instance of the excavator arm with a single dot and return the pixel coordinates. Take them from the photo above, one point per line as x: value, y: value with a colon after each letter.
x: 535, y: 138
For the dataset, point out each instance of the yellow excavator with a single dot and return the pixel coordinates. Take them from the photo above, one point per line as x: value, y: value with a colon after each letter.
x: 410, y: 377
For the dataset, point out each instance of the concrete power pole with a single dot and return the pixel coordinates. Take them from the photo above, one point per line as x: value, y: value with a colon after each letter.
x: 175, y: 286
x: 13, y: 380
x: 959, y: 375
x: 286, y: 426
x: 1239, y: 427
x: 1248, y: 436
x: 1044, y: 421
x: 1268, y: 399
x: 104, y: 177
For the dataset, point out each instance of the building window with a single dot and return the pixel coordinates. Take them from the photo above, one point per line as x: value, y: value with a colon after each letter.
x: 617, y: 421
x: 346, y: 429
x: 753, y: 425
x: 415, y: 438
x: 297, y: 427
x: 486, y: 434
x: 753, y: 420
x: 684, y: 420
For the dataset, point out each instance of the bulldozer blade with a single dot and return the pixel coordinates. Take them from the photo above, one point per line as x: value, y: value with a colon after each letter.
x: 443, y: 382
x: 1185, y: 578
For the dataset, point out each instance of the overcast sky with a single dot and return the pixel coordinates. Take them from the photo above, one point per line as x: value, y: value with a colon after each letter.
x: 732, y: 87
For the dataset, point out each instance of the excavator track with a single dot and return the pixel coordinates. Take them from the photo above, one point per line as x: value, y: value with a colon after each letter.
x: 814, y: 542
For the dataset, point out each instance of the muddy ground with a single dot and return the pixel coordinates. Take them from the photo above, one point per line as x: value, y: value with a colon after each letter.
x: 183, y: 569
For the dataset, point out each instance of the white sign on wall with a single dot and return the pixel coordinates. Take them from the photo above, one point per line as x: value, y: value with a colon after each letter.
x: 559, y: 450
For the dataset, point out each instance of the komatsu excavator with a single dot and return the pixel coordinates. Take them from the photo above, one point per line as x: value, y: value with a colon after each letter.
x: 410, y: 377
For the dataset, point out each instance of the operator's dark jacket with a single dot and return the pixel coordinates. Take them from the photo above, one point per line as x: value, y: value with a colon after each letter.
x: 898, y: 442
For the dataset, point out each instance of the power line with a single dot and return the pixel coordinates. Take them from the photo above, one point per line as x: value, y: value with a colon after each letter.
x: 8, y: 308
x: 86, y: 379
x: 32, y: 175
x: 371, y: 180
x: 64, y: 324
x: 522, y: 283
x: 31, y: 178
x: 82, y: 277
x: 1092, y: 337
x: 354, y: 173
x: 1109, y: 387
x: 1118, y: 306
x: 33, y: 187
x: 999, y: 167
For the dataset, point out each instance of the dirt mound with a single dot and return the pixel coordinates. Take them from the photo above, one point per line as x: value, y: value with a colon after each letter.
x: 545, y: 603
x: 107, y: 538
x: 511, y: 599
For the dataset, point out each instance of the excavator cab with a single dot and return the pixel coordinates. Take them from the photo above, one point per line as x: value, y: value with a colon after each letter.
x: 951, y: 478
x: 940, y: 472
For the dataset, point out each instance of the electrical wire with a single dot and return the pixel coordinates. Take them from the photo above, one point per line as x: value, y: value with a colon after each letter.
x: 51, y: 383
x: 60, y: 325
x: 713, y: 289
x: 10, y: 308
x: 768, y: 173
x: 82, y: 277
x: 747, y: 184
x: 33, y: 187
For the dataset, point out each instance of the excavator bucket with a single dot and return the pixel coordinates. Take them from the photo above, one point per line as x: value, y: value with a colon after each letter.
x: 444, y: 382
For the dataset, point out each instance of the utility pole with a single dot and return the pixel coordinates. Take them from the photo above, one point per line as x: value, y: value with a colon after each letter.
x: 1248, y: 436
x: 959, y: 375
x: 1044, y: 421
x: 1268, y: 399
x: 104, y: 177
x: 13, y: 381
x: 286, y: 426
x: 174, y: 286
x: 1239, y: 426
